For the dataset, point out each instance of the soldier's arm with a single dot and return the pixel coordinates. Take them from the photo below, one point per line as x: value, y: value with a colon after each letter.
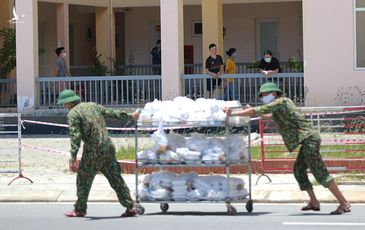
x: 266, y: 110
x: 74, y: 123
x: 267, y: 116
x: 113, y: 113
x: 243, y: 112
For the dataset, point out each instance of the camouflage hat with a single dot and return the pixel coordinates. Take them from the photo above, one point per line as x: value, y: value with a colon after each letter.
x: 269, y: 87
x: 67, y: 96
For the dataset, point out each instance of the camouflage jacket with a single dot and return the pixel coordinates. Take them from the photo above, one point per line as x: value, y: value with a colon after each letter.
x: 86, y: 123
x: 293, y: 126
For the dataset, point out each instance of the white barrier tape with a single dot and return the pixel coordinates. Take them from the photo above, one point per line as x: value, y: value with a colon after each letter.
x: 332, y: 113
x: 335, y: 142
x: 45, y: 149
x: 66, y: 126
x: 117, y: 129
x: 109, y: 128
x: 359, y: 107
x: 45, y: 123
x: 255, y: 118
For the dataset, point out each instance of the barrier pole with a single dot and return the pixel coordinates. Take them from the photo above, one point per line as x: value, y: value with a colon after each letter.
x: 261, y: 128
x: 20, y: 176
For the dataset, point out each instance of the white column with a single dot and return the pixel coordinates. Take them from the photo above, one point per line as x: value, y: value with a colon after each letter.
x: 105, y: 33
x: 172, y: 47
x: 212, y: 17
x: 63, y: 27
x: 27, y: 55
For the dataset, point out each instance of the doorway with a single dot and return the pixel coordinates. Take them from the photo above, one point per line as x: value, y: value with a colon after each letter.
x: 267, y: 36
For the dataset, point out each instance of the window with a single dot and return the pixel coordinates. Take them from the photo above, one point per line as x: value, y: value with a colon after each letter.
x: 197, y: 28
x: 360, y: 3
x: 360, y: 33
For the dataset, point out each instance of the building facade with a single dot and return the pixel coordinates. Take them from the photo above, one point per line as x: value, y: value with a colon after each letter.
x: 329, y: 42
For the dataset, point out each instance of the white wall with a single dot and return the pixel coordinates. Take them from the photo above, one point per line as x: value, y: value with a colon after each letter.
x: 239, y: 21
x: 80, y: 17
x: 193, y: 13
x: 137, y: 33
x: 240, y: 24
x: 329, y: 68
x: 48, y: 24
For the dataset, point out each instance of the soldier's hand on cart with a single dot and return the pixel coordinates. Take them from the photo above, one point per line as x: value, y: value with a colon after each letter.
x: 228, y: 111
x: 135, y: 114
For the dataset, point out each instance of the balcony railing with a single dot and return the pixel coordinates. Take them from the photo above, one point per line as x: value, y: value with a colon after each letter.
x: 7, y: 92
x: 106, y: 90
x: 135, y: 91
x: 138, y: 69
x: 244, y: 87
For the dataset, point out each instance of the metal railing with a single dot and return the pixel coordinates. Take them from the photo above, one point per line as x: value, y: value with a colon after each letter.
x: 7, y: 92
x: 342, y: 130
x: 133, y: 91
x: 198, y: 68
x: 11, y: 155
x: 246, y: 67
x: 106, y: 90
x: 244, y: 87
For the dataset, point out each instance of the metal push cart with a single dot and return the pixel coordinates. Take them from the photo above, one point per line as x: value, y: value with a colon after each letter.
x: 164, y: 204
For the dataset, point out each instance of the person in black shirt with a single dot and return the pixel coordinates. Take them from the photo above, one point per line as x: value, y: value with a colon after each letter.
x: 156, y: 58
x: 269, y: 65
x: 214, y: 67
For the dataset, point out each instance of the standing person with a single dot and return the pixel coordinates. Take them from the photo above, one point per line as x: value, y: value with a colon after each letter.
x: 156, y: 70
x: 86, y: 123
x: 269, y: 65
x: 61, y: 66
x: 214, y: 67
x: 297, y: 131
x: 156, y: 58
x: 231, y: 89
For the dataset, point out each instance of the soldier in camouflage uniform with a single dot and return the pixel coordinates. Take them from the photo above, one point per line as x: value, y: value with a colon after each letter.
x: 87, y: 124
x: 297, y: 131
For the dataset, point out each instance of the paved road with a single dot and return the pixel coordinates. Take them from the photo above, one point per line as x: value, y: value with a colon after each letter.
x: 180, y: 216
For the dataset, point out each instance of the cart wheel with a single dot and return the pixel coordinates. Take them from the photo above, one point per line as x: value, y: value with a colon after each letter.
x: 249, y: 206
x: 231, y: 210
x: 140, y: 209
x: 164, y: 207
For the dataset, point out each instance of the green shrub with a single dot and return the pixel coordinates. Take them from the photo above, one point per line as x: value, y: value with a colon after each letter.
x: 7, y: 51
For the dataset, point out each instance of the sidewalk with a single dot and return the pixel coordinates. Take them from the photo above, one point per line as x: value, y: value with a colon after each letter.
x: 62, y: 188
x: 54, y: 183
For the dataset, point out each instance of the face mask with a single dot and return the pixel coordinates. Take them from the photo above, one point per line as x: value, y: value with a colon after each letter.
x: 268, y: 60
x: 234, y: 55
x: 64, y: 55
x: 268, y: 98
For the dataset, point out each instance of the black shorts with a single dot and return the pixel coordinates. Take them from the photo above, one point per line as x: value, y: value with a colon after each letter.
x: 212, y: 83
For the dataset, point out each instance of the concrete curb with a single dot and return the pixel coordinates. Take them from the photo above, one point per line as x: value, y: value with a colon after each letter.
x: 259, y: 196
x: 283, y: 189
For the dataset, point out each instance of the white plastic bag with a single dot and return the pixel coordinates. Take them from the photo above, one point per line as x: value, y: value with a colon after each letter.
x: 169, y: 157
x: 161, y: 194
x: 237, y: 148
x: 159, y: 136
x: 175, y: 140
x: 144, y: 193
x: 197, y: 142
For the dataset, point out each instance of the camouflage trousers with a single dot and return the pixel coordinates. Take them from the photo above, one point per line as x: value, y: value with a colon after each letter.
x: 310, y: 157
x: 93, y: 162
